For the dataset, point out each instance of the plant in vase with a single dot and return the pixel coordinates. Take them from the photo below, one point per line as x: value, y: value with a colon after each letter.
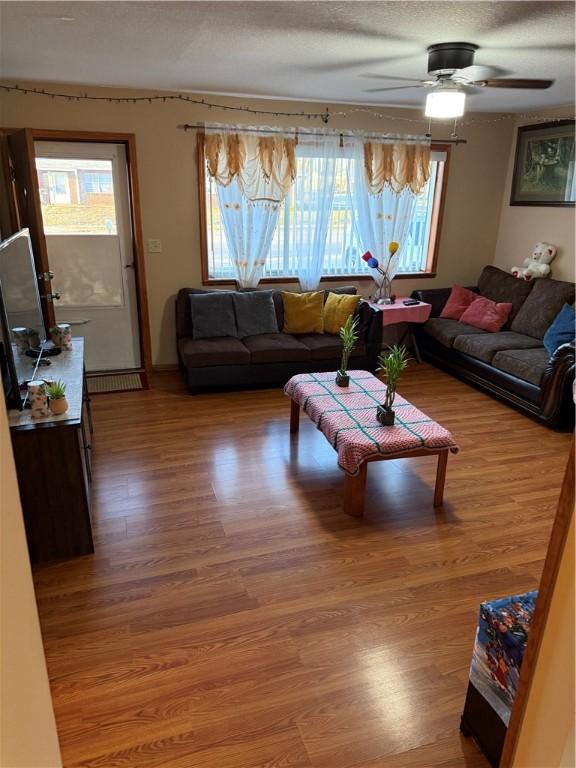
x: 391, y: 364
x: 349, y: 337
x: 383, y: 293
x: 56, y: 391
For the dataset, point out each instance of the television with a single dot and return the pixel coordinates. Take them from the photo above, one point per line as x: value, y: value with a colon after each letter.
x: 19, y: 308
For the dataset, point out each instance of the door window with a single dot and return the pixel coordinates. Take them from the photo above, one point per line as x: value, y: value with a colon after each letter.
x: 77, y: 196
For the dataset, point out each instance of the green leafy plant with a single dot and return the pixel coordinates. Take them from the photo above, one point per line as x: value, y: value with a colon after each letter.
x: 56, y: 390
x: 392, y: 364
x: 349, y: 337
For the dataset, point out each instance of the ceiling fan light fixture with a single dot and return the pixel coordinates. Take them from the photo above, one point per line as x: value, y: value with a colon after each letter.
x: 445, y: 102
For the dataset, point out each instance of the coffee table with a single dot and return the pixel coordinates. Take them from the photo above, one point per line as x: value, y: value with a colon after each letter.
x: 346, y: 416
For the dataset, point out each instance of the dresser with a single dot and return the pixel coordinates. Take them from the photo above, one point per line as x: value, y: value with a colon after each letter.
x: 53, y: 462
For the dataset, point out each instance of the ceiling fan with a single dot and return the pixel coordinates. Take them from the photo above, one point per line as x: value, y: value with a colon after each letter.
x: 454, y: 74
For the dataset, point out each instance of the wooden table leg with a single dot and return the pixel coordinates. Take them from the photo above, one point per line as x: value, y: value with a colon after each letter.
x: 440, y: 478
x: 354, y: 491
x: 294, y: 416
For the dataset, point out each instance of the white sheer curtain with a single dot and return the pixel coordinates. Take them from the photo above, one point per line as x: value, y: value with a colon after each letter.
x: 312, y: 198
x: 254, y: 169
x: 379, y: 219
x: 249, y: 227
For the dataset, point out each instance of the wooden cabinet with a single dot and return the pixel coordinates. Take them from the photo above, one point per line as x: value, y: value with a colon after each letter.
x: 53, y: 463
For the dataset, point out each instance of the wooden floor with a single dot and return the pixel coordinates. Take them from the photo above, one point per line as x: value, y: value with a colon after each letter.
x: 233, y: 617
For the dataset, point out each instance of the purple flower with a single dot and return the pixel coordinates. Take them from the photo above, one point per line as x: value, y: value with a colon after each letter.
x: 373, y: 263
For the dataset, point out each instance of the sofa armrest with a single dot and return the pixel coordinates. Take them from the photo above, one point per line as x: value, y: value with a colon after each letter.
x: 370, y: 330
x: 557, y: 384
x: 437, y: 297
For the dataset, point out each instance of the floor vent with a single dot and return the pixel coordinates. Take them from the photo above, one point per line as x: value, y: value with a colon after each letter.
x: 120, y: 382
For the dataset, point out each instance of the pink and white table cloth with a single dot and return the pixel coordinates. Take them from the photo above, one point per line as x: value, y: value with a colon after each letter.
x: 402, y: 313
x: 346, y: 416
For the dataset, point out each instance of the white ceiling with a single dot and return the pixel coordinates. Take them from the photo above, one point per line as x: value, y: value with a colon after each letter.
x: 290, y: 50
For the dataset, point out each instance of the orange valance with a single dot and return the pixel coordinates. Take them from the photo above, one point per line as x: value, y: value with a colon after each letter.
x: 263, y: 165
x: 396, y: 165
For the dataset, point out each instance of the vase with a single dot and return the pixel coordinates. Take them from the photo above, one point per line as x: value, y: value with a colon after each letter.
x: 61, y: 335
x: 385, y: 416
x: 38, y: 399
x: 383, y: 291
x: 342, y: 379
x: 21, y: 339
x: 58, y: 407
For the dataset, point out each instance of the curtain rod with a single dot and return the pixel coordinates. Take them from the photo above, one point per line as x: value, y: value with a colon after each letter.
x: 202, y: 126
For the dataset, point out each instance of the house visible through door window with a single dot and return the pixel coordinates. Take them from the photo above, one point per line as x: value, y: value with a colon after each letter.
x: 77, y: 196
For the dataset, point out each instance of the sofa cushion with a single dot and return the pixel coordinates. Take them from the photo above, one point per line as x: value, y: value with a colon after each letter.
x: 500, y: 286
x: 562, y: 330
x: 255, y: 313
x: 276, y: 348
x: 486, y: 314
x: 458, y: 302
x: 224, y: 350
x: 212, y: 315
x: 328, y: 346
x: 445, y: 330
x: 542, y: 305
x: 485, y: 347
x: 346, y: 290
x: 337, y: 310
x: 526, y: 364
x: 303, y: 312
x: 184, y: 312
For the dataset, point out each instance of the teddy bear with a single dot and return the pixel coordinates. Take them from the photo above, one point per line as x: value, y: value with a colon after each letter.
x: 538, y: 264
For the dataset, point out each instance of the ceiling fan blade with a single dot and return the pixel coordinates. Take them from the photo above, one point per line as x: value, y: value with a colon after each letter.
x: 477, y: 72
x: 396, y: 88
x: 374, y: 76
x: 516, y: 83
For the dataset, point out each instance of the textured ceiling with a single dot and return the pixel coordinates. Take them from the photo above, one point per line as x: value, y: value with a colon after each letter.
x: 294, y: 50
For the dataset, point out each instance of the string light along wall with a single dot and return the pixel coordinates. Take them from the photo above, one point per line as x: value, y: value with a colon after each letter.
x: 324, y: 116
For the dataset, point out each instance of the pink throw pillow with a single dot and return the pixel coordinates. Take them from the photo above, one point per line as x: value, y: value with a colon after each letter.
x: 458, y: 301
x: 486, y: 314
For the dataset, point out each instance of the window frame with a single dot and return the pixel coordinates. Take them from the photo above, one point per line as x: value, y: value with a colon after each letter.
x: 433, y: 245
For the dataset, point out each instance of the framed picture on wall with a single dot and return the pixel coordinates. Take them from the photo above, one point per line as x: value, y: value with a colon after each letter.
x: 544, y: 165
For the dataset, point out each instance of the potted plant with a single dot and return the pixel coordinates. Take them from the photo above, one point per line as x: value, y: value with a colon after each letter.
x: 56, y: 391
x: 349, y: 336
x: 391, y: 364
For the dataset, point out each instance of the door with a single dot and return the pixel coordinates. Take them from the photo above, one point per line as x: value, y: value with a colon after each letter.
x: 29, y: 212
x: 84, y: 197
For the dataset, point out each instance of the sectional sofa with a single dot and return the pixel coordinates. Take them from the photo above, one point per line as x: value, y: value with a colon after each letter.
x: 268, y: 358
x: 511, y: 364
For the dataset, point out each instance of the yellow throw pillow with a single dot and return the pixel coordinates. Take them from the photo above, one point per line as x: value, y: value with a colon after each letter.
x: 338, y: 308
x: 303, y: 312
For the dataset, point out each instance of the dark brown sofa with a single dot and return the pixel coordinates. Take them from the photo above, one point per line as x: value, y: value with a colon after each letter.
x: 512, y: 364
x: 268, y: 359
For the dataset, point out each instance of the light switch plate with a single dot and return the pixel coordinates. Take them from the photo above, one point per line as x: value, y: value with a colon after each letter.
x: 154, y: 246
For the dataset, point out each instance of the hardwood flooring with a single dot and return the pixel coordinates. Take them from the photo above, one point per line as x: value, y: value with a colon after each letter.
x: 233, y: 617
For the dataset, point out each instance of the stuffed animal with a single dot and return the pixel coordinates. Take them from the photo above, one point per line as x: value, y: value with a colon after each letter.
x: 538, y: 264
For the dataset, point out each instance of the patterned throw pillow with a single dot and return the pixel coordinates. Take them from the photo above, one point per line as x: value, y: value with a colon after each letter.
x: 337, y: 310
x: 458, y: 302
x: 487, y: 315
x: 303, y: 312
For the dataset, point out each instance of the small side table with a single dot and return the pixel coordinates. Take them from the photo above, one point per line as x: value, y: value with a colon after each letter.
x: 400, y: 313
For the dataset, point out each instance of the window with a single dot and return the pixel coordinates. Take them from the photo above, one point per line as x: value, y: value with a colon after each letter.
x: 77, y: 196
x: 343, y: 250
x: 98, y: 183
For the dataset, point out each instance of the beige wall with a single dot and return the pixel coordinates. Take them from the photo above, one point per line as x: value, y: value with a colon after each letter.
x: 523, y: 226
x: 547, y: 734
x: 27, y: 728
x: 168, y: 185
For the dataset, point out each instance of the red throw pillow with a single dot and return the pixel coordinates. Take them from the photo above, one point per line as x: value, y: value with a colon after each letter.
x: 486, y: 314
x: 458, y: 301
